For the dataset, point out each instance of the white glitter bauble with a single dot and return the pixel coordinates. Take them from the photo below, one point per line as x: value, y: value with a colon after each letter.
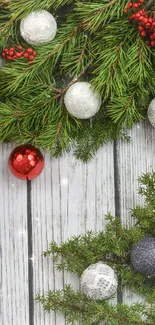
x: 99, y: 281
x: 38, y: 27
x: 81, y: 101
x: 151, y: 112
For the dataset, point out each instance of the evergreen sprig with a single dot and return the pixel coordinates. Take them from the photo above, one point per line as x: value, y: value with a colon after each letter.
x: 95, y: 42
x: 113, y: 246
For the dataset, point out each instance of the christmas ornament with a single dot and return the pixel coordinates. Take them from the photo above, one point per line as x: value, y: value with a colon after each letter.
x: 151, y: 112
x: 38, y: 27
x: 145, y: 21
x: 26, y: 162
x: 14, y: 54
x: 143, y: 256
x: 99, y: 281
x: 81, y: 101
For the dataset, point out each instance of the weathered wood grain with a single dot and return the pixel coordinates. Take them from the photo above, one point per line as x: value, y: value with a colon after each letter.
x: 14, y: 293
x: 134, y: 159
x: 67, y: 199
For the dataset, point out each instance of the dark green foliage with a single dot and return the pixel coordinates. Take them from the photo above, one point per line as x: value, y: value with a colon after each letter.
x: 113, y: 246
x: 95, y: 42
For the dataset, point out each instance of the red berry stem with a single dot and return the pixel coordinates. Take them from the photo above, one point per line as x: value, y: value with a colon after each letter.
x: 144, y: 19
x: 13, y: 53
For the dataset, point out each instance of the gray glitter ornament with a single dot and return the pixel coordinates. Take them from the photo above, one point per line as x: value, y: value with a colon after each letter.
x: 38, y: 27
x: 81, y: 101
x: 151, y: 112
x: 99, y: 281
x: 143, y: 256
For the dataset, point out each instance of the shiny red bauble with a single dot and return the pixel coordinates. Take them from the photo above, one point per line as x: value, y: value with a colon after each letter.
x: 26, y: 162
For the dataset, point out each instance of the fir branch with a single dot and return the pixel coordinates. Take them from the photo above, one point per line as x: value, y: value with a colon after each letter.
x: 77, y: 307
x: 122, y: 70
x: 112, y: 246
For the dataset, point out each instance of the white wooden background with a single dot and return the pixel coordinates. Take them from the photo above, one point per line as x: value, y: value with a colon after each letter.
x: 67, y: 199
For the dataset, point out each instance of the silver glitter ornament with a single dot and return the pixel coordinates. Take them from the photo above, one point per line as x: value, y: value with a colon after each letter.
x: 81, y: 101
x: 151, y: 112
x: 38, y: 27
x: 99, y: 281
x: 143, y: 256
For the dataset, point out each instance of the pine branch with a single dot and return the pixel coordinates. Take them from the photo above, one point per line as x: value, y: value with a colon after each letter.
x: 121, y: 69
x: 113, y: 246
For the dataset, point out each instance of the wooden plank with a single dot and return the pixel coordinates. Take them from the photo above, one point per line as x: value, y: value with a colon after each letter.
x: 69, y: 198
x: 14, y: 294
x: 134, y: 159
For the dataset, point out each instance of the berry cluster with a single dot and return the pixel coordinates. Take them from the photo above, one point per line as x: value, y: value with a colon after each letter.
x: 146, y: 23
x: 13, y: 54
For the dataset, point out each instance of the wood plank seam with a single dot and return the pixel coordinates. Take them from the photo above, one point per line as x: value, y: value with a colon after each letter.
x: 117, y: 207
x: 30, y: 255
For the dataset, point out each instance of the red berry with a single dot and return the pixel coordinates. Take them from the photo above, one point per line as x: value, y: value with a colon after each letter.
x: 145, y: 20
x: 19, y: 55
x: 11, y: 53
x: 131, y: 17
x: 147, y: 25
x: 141, y: 18
x: 6, y: 50
x: 152, y: 36
x: 20, y: 47
x: 140, y: 28
x: 152, y: 43
x: 143, y: 33
x: 3, y: 55
x: 34, y: 53
x: 141, y: 1
x: 130, y: 4
x: 29, y: 50
x: 150, y: 20
x: 136, y: 5
x: 26, y: 55
x: 15, y: 56
x: 12, y: 49
x: 9, y: 58
x: 31, y: 58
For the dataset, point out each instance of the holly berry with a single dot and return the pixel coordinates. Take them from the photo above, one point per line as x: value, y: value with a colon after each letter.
x: 140, y: 28
x: 11, y: 53
x: 145, y: 21
x: 18, y: 52
x: 12, y: 49
x: 26, y: 55
x: 143, y: 34
x: 29, y: 50
x: 20, y: 47
x: 152, y: 43
x: 31, y: 58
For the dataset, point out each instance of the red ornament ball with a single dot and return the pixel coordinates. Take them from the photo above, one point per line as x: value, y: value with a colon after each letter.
x: 26, y: 162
